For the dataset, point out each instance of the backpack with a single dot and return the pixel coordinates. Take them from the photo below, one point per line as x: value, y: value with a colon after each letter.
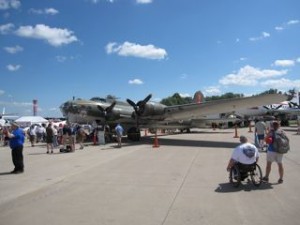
x: 281, y: 143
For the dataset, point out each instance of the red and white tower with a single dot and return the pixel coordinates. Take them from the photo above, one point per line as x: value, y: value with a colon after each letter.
x: 35, y: 107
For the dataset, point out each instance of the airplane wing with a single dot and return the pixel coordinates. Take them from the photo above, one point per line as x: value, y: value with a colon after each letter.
x: 200, y: 110
x: 290, y: 111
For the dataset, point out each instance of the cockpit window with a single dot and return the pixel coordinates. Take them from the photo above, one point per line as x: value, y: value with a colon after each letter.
x: 97, y: 99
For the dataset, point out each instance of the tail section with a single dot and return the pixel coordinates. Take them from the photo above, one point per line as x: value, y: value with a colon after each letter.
x: 198, y: 97
x: 295, y: 98
x: 294, y: 102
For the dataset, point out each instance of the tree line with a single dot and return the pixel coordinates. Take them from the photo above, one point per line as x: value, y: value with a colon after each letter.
x: 176, y: 98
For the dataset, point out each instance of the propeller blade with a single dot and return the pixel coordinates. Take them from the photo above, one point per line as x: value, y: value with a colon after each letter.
x: 138, y: 108
x: 130, y: 102
x: 293, y: 105
x: 143, y: 102
x: 110, y: 108
x: 100, y: 108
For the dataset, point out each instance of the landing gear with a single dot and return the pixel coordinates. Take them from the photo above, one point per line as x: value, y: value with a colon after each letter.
x: 134, y: 134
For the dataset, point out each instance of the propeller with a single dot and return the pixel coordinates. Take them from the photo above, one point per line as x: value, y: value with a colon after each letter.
x: 139, y: 107
x: 107, y: 110
x: 272, y: 107
x: 293, y: 105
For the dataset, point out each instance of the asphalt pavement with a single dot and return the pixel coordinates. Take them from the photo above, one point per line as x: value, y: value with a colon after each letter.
x: 182, y: 182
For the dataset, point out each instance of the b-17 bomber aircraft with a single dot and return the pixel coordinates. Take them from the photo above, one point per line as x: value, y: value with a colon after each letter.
x: 154, y: 115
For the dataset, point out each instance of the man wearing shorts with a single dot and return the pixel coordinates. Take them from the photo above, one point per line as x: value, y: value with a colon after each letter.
x: 273, y: 156
x: 260, y: 130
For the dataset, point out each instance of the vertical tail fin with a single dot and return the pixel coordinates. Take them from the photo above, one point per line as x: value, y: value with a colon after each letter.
x: 295, y: 98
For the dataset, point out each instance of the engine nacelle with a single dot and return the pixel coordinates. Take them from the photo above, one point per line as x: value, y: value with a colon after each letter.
x: 153, y: 109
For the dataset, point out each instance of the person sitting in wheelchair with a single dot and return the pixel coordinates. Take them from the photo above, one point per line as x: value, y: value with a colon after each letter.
x: 245, y: 156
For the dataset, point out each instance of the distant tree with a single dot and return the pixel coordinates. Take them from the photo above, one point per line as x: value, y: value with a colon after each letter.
x: 271, y: 91
x: 224, y: 96
x: 176, y: 99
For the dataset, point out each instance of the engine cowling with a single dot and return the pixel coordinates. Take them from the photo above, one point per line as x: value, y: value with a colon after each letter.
x: 153, y: 109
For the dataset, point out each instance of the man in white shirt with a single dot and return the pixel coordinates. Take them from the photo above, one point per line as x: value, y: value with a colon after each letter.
x: 246, y: 153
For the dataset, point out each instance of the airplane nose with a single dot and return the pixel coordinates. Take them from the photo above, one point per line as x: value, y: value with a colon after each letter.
x: 65, y: 108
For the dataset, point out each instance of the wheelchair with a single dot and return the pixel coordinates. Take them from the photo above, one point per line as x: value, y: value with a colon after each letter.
x: 240, y: 172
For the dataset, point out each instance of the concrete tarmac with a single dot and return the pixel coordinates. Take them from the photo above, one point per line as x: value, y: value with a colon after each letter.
x: 182, y: 182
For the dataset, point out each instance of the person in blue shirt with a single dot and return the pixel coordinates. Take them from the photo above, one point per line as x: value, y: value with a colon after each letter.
x: 119, y: 131
x: 16, y: 143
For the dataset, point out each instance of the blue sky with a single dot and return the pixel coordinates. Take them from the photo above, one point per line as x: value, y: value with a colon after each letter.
x: 52, y: 50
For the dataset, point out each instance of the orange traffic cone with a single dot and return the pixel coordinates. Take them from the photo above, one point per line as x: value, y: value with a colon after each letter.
x: 236, y: 134
x: 156, y: 145
x: 95, y: 139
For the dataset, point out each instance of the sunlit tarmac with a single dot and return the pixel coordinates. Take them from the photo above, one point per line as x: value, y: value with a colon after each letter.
x: 183, y: 181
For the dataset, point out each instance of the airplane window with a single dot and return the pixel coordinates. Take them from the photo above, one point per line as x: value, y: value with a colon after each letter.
x: 97, y: 99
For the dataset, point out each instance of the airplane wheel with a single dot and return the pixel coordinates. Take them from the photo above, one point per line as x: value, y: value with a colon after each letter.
x: 134, y: 134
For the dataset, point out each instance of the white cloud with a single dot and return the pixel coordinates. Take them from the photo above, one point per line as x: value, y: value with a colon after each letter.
x: 144, y: 1
x: 136, y: 50
x: 13, y: 68
x: 6, y: 28
x: 49, y: 11
x: 135, y: 81
x: 184, y: 95
x: 262, y: 36
x: 249, y: 76
x: 54, y: 36
x: 284, y: 63
x: 183, y: 76
x: 96, y: 1
x: 213, y: 90
x: 285, y: 25
x: 293, y: 22
x: 13, y: 50
x: 2, y: 92
x: 7, y: 4
x: 281, y: 84
x: 61, y: 58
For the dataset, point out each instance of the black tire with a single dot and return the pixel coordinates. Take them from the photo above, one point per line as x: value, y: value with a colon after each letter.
x: 134, y: 134
x: 235, y: 176
x: 256, y: 176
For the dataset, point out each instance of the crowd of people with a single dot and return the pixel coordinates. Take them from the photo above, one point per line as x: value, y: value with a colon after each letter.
x: 62, y: 137
x: 66, y: 136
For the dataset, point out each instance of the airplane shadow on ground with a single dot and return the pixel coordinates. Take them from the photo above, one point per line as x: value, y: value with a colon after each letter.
x: 5, y: 173
x: 246, y: 186
x: 191, y: 143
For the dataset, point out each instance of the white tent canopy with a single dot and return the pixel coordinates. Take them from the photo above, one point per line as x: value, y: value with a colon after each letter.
x: 26, y: 121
